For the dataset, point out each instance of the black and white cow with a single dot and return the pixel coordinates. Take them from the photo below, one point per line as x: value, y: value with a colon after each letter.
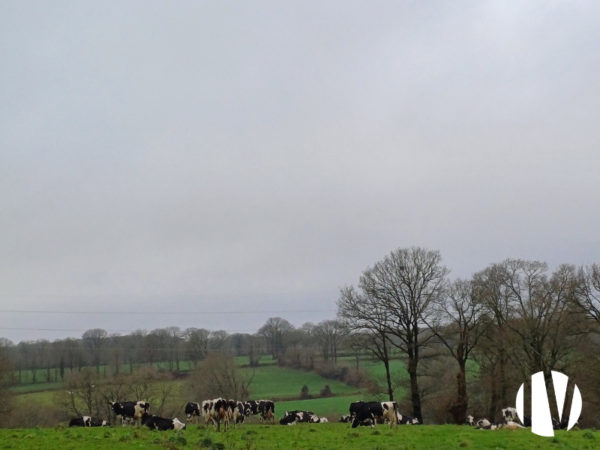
x: 130, y: 410
x: 266, y: 409
x: 403, y: 419
x: 509, y: 414
x: 294, y: 417
x: 162, y: 424
x: 347, y: 418
x: 237, y: 412
x: 87, y: 421
x: 483, y: 424
x: 205, y: 411
x: 371, y: 412
x: 216, y: 411
x: 192, y: 409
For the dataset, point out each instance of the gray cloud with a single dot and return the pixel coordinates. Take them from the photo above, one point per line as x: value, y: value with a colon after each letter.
x: 258, y: 156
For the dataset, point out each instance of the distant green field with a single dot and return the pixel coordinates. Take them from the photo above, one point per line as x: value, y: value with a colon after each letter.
x: 301, y: 436
x: 279, y: 382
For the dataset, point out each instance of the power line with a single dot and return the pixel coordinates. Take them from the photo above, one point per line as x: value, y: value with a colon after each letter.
x: 172, y: 313
x: 108, y: 330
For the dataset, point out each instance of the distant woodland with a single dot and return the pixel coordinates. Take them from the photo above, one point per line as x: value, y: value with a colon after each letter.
x: 466, y: 344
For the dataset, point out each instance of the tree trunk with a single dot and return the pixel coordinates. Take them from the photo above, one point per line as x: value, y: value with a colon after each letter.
x: 414, y: 388
x: 459, y: 410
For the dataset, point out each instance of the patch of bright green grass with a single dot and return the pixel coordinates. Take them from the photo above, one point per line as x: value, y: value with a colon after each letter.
x: 301, y: 436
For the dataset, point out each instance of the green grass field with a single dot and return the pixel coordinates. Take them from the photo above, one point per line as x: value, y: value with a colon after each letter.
x: 279, y: 382
x: 301, y: 436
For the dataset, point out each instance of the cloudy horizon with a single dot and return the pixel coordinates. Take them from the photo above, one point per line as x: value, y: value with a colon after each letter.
x: 249, y: 158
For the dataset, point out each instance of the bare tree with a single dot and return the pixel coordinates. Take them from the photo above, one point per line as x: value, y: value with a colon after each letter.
x: 196, y: 344
x: 218, y: 376
x: 542, y: 306
x: 274, y: 331
x: 458, y: 326
x: 329, y: 333
x: 5, y: 372
x: 406, y: 283
x: 94, y: 341
x: 366, y: 317
x: 489, y: 289
x: 588, y: 291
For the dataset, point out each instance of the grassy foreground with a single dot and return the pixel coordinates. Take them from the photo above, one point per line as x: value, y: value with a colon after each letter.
x: 302, y: 436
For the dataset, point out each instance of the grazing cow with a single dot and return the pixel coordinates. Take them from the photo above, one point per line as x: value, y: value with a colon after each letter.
x: 192, y: 409
x: 373, y: 412
x: 162, y: 424
x: 266, y: 409
x: 218, y: 412
x: 251, y: 408
x: 364, y: 415
x: 355, y: 407
x: 238, y: 412
x: 87, y: 421
x: 206, y: 408
x: 130, y: 410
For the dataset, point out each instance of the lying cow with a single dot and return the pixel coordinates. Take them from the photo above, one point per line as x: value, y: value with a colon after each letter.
x: 347, y: 418
x: 294, y: 417
x: 87, y: 421
x: 162, y: 424
x: 130, y: 410
x: 406, y: 420
x: 509, y: 414
x: 482, y: 424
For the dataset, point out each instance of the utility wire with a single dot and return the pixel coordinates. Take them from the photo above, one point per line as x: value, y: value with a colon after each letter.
x: 173, y: 313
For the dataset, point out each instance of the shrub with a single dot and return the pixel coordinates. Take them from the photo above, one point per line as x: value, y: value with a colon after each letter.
x: 304, y: 394
x: 326, y: 391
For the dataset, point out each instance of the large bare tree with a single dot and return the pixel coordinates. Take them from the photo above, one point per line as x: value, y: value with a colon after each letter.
x: 405, y: 284
x: 367, y: 319
x: 588, y: 291
x: 458, y: 325
x: 489, y: 289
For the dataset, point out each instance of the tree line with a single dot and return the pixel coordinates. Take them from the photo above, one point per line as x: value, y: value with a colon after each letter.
x: 466, y: 344
x: 513, y: 319
x: 175, y: 349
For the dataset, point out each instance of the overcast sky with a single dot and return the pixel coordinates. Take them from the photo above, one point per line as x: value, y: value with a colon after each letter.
x: 205, y: 157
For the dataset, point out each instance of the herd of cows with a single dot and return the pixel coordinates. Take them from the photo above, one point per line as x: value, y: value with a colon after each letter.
x: 224, y: 412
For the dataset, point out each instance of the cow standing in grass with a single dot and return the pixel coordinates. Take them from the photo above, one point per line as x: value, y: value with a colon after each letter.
x: 130, y: 410
x: 217, y: 411
x: 371, y: 412
x: 192, y: 410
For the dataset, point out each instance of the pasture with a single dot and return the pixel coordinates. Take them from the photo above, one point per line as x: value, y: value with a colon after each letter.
x: 302, y: 436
